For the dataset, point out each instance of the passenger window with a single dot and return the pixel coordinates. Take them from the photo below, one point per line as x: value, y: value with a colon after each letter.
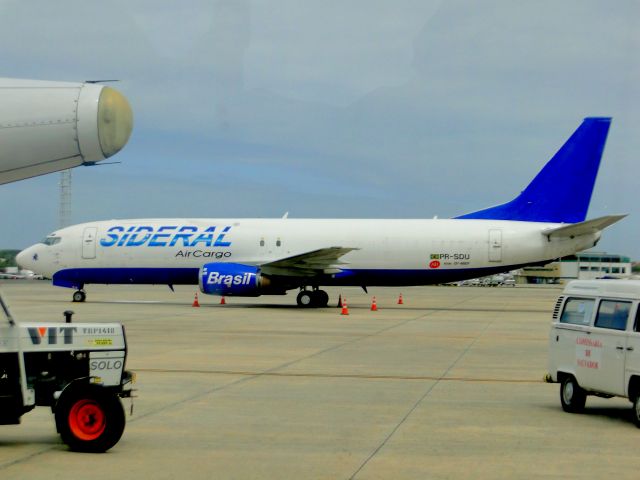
x: 636, y: 326
x: 577, y: 311
x: 613, y: 314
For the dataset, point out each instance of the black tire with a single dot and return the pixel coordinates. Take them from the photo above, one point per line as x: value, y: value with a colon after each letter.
x: 79, y: 296
x: 636, y: 411
x: 89, y: 420
x: 572, y: 396
x: 321, y: 298
x: 305, y: 299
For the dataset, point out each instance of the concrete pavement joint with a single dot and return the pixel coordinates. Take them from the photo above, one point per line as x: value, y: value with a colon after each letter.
x: 337, y: 375
x: 27, y: 457
x: 425, y: 395
x: 269, y: 372
x: 280, y: 367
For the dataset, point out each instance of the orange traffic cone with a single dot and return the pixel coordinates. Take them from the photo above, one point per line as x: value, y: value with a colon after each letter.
x: 195, y: 301
x: 374, y: 305
x: 223, y: 301
x: 345, y: 308
x: 400, y: 301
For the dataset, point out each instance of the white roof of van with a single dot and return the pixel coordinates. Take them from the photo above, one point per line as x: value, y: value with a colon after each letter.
x: 608, y: 288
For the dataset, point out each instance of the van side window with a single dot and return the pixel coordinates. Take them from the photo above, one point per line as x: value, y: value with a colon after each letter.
x: 613, y: 314
x: 577, y: 311
x: 636, y: 326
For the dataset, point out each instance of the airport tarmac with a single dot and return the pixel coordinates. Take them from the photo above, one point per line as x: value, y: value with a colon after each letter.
x: 448, y: 385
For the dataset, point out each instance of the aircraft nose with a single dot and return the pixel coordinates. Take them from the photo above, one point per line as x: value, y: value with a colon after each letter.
x: 23, y: 259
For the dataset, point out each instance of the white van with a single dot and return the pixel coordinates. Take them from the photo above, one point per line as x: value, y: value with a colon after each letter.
x: 594, y: 344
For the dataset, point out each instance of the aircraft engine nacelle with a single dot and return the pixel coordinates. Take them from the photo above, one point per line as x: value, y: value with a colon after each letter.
x: 232, y: 279
x: 51, y: 126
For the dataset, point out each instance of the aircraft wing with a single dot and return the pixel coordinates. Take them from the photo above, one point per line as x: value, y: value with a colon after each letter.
x: 52, y: 126
x: 583, y: 228
x: 316, y: 262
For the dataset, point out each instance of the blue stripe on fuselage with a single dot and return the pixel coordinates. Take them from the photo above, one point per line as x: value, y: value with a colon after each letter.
x: 78, y: 277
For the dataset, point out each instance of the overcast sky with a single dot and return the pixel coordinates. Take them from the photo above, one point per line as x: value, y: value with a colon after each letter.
x: 375, y: 109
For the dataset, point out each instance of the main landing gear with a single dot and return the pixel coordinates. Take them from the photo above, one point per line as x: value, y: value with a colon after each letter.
x: 79, y: 296
x: 312, y: 298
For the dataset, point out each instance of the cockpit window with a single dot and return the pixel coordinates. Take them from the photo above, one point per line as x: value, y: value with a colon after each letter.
x: 51, y: 240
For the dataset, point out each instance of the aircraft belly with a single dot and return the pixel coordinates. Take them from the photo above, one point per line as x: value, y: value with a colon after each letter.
x: 76, y: 277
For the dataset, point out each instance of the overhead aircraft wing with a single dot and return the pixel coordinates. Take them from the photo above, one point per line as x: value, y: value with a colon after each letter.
x: 316, y: 262
x: 50, y: 126
x: 582, y: 228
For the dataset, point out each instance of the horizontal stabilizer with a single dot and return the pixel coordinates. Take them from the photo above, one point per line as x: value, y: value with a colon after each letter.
x: 583, y: 228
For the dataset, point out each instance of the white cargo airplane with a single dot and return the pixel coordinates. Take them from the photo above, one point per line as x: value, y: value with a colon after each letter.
x: 252, y: 257
x: 50, y: 126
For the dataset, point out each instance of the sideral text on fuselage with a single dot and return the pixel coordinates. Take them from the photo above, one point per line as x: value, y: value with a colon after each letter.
x: 165, y: 236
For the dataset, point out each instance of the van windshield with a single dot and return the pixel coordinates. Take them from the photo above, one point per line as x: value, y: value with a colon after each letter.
x: 577, y: 311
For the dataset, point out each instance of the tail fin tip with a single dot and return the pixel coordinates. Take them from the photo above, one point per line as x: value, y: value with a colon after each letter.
x: 561, y: 191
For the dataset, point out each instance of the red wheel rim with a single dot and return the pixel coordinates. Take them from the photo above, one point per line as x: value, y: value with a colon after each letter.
x: 87, y: 419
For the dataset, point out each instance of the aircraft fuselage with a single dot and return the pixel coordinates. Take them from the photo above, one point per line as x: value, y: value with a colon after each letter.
x: 386, y: 252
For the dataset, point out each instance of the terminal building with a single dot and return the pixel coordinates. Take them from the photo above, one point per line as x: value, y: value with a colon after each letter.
x: 582, y: 266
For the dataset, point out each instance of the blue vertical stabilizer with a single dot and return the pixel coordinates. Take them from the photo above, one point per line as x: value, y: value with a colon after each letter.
x: 561, y: 192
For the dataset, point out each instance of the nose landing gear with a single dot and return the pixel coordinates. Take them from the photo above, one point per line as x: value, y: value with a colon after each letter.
x: 79, y: 296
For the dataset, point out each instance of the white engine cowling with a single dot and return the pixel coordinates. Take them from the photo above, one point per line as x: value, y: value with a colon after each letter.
x: 51, y: 126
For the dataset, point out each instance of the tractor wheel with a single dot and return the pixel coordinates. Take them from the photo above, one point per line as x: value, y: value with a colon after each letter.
x: 89, y: 420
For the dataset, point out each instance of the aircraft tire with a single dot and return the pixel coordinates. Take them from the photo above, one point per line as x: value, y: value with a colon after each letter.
x: 321, y: 298
x: 306, y: 299
x: 79, y: 296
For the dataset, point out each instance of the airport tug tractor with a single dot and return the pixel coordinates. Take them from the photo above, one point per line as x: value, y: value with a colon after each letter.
x: 76, y: 369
